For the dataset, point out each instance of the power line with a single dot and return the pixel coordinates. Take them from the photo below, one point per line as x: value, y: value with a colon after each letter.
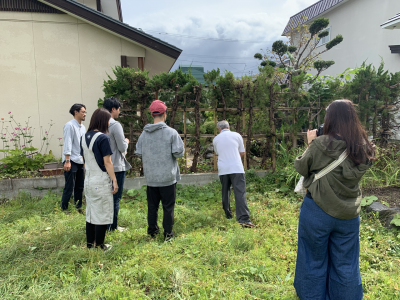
x: 205, y: 38
x: 218, y: 57
x: 216, y: 62
x: 213, y: 56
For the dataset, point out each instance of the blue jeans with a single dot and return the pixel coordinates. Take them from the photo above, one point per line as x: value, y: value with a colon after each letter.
x: 117, y: 198
x: 327, y: 264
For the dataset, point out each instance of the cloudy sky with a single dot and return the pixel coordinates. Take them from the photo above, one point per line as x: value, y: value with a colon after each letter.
x: 204, y: 30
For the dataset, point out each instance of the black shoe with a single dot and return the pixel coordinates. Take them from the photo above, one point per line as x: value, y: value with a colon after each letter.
x: 80, y: 210
x: 153, y: 235
x: 247, y: 225
x: 169, y: 236
x: 228, y: 214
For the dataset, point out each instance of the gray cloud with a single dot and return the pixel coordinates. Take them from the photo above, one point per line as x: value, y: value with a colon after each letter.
x: 258, y: 21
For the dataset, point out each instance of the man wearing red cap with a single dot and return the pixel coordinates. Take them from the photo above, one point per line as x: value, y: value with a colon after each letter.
x: 159, y: 146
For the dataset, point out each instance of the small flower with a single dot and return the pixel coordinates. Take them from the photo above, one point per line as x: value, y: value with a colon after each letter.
x: 11, y: 140
x: 2, y: 119
x: 59, y: 138
x: 45, y: 132
x: 9, y: 112
x: 23, y: 146
x: 23, y: 128
x: 16, y: 128
x: 5, y: 166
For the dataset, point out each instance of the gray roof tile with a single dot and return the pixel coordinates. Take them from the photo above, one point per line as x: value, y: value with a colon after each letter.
x: 310, y: 13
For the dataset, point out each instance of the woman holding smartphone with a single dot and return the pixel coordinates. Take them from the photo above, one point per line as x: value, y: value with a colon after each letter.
x: 328, y: 247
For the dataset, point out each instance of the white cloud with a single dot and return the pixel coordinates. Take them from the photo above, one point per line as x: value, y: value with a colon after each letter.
x: 251, y: 20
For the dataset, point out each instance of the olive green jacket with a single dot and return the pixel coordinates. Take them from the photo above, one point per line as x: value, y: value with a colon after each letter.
x: 337, y: 192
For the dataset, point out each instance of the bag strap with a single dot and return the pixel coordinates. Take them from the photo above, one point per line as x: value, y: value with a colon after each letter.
x: 331, y: 166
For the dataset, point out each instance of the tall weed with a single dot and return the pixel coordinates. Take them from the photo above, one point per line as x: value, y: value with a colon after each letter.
x: 385, y: 171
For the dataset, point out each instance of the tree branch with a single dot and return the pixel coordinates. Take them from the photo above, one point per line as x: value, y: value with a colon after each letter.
x: 130, y: 116
x: 393, y: 86
x: 302, y: 52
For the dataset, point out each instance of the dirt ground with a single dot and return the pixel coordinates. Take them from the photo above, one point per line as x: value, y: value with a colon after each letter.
x: 390, y: 194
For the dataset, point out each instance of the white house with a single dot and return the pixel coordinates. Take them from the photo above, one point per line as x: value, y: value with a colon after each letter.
x: 359, y: 21
x: 393, y: 23
x: 54, y: 53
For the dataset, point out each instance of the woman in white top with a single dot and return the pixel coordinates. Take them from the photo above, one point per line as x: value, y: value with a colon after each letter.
x: 100, y: 180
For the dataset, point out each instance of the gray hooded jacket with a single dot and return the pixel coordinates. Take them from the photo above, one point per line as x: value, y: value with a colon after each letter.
x: 119, y: 146
x: 159, y: 146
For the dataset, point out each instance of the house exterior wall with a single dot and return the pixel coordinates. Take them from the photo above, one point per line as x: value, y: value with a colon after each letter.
x: 359, y: 23
x: 90, y: 3
x: 48, y: 62
x: 110, y: 8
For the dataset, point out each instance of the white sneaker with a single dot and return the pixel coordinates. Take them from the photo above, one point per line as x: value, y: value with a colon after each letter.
x: 107, y: 247
x: 121, y: 229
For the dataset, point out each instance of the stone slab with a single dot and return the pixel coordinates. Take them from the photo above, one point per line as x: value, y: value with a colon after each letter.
x: 60, y: 181
x: 134, y: 183
x: 22, y: 184
x: 45, y: 183
x: 38, y: 187
x: 386, y: 214
x: 5, y: 185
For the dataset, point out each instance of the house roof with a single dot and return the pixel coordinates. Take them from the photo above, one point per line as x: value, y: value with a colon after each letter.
x: 93, y: 16
x: 310, y: 13
x: 197, y: 71
x: 28, y: 6
x: 392, y: 23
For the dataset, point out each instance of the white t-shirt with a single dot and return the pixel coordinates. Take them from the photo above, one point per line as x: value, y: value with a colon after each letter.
x: 227, y: 146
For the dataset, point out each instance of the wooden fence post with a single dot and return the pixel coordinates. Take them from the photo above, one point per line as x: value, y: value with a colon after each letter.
x: 184, y: 130
x: 244, y: 140
x: 215, y: 133
x: 196, y: 154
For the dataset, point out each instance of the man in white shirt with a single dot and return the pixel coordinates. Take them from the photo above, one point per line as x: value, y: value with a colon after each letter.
x: 230, y: 148
x: 73, y: 161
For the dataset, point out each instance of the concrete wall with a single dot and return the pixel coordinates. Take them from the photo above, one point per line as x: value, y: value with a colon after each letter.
x: 359, y: 22
x: 48, y: 62
x: 38, y: 187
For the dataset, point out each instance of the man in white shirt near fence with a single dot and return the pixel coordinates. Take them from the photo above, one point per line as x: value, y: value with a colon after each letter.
x: 229, y: 147
x: 73, y: 161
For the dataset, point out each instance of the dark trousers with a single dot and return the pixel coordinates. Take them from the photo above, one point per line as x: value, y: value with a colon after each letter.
x: 74, y: 182
x: 167, y: 196
x: 238, y: 182
x: 327, y: 265
x: 117, y: 198
x: 95, y: 234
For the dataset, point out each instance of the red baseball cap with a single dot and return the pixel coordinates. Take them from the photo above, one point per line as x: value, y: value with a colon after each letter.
x: 158, y: 107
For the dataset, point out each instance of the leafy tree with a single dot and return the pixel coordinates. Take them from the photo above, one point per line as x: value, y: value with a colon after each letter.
x: 289, y: 78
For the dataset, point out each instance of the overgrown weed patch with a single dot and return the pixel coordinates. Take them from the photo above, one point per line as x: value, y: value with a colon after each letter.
x: 43, y: 254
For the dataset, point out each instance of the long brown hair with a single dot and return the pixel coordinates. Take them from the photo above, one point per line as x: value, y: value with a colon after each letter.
x: 99, y: 120
x: 341, y: 119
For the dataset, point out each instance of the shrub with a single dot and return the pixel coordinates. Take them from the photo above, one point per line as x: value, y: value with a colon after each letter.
x: 20, y: 157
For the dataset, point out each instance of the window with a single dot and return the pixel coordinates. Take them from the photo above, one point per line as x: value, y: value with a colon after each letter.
x: 325, y: 39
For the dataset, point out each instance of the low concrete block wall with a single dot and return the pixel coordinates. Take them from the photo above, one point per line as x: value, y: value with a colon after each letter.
x: 38, y: 187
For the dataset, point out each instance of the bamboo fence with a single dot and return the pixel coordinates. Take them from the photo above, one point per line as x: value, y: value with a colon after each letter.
x: 185, y: 135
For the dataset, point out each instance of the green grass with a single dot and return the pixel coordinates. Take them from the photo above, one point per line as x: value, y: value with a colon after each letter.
x: 43, y: 254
